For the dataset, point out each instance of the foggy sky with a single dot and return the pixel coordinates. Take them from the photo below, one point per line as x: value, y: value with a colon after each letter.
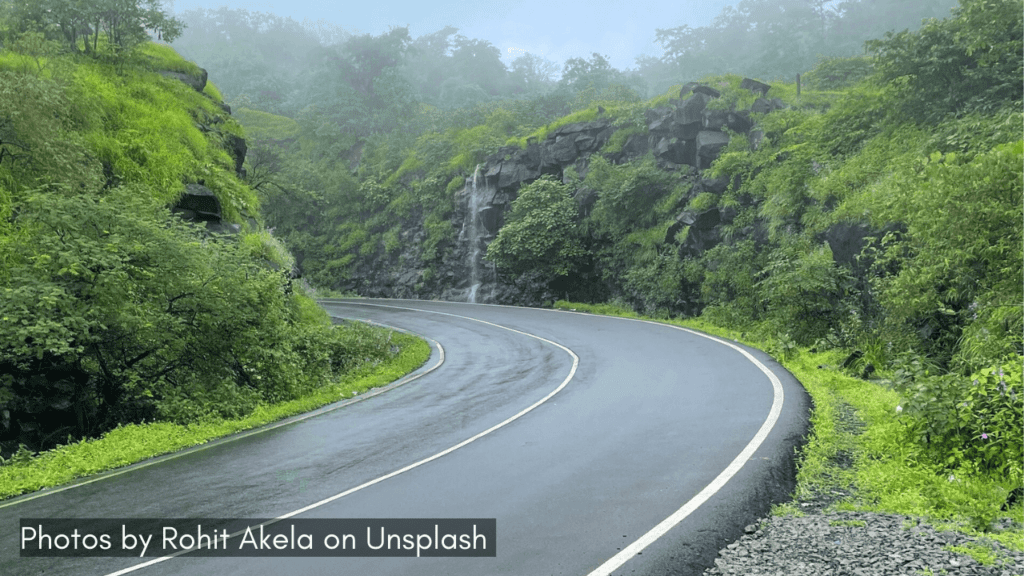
x: 553, y: 29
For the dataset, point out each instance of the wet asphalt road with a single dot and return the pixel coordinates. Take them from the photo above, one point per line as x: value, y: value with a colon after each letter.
x: 650, y: 417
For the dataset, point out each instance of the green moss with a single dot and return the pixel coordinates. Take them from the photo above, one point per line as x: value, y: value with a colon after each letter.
x: 266, y: 126
x: 703, y: 201
x: 619, y: 138
x: 263, y: 245
x: 540, y: 134
x: 163, y: 57
x: 211, y: 90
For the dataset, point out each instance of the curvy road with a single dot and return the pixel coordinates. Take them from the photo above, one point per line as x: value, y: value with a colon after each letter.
x: 600, y: 445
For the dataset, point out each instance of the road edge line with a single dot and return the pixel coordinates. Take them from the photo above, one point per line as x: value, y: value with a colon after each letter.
x: 509, y: 420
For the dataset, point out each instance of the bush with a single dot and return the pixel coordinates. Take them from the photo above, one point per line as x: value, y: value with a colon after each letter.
x: 540, y: 235
x: 975, y: 420
x: 115, y: 311
x: 803, y: 288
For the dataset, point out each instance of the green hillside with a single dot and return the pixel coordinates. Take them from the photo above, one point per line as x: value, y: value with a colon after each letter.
x: 116, y: 312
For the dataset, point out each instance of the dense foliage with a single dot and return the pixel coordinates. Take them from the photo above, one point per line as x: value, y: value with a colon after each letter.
x: 113, y: 310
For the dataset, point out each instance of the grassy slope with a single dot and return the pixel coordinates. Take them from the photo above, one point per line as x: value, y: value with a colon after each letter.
x: 886, y: 474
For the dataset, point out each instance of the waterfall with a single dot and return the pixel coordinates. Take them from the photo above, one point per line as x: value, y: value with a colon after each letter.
x: 474, y: 234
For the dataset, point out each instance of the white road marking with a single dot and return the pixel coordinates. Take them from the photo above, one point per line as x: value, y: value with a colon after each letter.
x: 239, y: 435
x: 615, y: 562
x: 572, y: 372
x: 704, y: 495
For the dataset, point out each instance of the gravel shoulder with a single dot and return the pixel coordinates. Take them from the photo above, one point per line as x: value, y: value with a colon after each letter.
x: 810, y: 537
x: 858, y: 544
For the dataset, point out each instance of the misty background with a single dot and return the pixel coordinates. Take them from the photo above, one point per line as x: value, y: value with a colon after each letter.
x: 284, y: 57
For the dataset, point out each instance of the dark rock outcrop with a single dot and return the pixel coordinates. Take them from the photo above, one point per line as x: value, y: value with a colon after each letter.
x: 198, y: 204
x: 685, y: 137
x: 755, y: 86
x: 196, y: 81
x: 707, y: 90
x: 237, y: 148
x: 709, y: 145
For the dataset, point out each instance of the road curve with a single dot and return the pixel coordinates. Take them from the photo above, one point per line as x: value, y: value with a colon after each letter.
x: 601, y: 446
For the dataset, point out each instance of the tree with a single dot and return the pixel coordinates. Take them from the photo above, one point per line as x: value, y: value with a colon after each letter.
x: 971, y: 61
x: 357, y: 88
x: 126, y: 23
x: 541, y: 235
x: 532, y: 74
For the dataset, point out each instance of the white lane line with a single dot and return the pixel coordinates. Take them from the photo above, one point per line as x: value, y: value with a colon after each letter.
x: 615, y: 562
x: 238, y: 436
x: 572, y: 372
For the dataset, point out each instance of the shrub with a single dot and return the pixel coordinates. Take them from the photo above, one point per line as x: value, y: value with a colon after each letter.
x: 977, y: 419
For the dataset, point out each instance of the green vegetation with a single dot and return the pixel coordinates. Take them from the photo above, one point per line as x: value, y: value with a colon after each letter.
x: 131, y: 443
x: 540, y: 235
x: 119, y: 320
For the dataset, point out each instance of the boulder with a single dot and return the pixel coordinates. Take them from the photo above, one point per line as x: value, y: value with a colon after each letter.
x: 687, y: 88
x: 237, y: 148
x: 756, y: 137
x: 491, y: 218
x: 585, y: 198
x: 714, y: 119
x: 685, y: 131
x: 533, y: 153
x: 659, y: 118
x: 703, y: 220
x: 561, y: 151
x: 714, y: 185
x: 593, y: 126
x: 699, y: 241
x: 846, y: 240
x: 515, y: 172
x: 636, y: 145
x: 739, y: 121
x: 761, y: 106
x: 690, y: 111
x: 778, y: 104
x: 755, y: 86
x: 581, y: 166
x: 728, y: 213
x: 707, y: 90
x: 586, y: 143
x: 218, y: 227
x: 709, y: 145
x: 197, y: 82
x: 604, y: 136
x: 671, y: 150
x: 198, y: 203
x: 409, y: 277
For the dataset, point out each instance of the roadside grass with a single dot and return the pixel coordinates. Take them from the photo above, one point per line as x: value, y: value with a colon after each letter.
x: 137, y: 442
x: 884, y: 469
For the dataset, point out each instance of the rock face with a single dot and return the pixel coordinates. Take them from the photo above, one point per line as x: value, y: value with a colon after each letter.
x: 685, y: 136
x: 196, y: 81
x: 199, y: 204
